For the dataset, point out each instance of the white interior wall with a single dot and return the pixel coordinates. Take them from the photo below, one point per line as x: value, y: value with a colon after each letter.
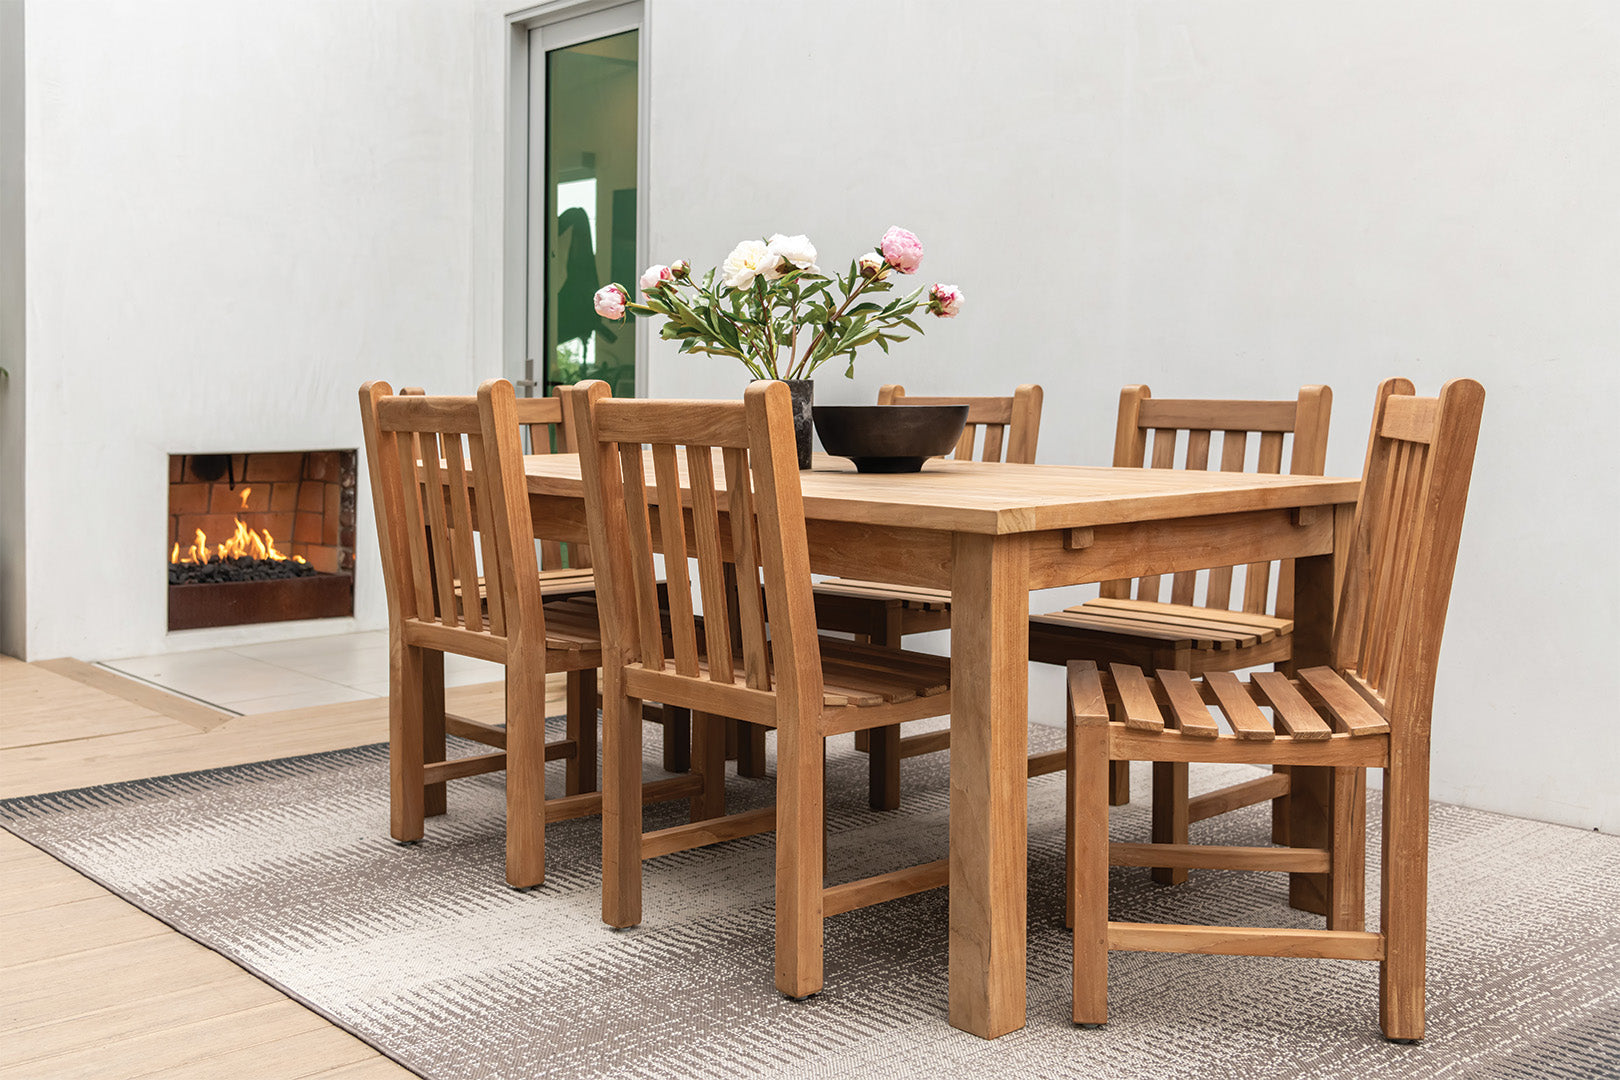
x: 232, y: 221
x: 1228, y: 200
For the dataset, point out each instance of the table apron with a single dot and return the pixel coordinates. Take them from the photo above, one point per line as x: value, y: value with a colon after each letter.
x: 1141, y: 548
x: 1058, y: 557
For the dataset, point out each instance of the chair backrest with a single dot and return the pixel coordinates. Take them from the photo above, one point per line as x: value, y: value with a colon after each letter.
x: 444, y: 469
x: 1011, y: 421
x: 1397, y: 584
x: 1182, y: 431
x: 544, y: 431
x: 753, y: 526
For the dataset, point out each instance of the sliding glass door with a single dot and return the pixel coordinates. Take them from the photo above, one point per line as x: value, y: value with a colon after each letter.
x: 583, y: 184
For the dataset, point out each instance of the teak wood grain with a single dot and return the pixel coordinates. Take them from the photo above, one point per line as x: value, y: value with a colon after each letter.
x: 990, y: 533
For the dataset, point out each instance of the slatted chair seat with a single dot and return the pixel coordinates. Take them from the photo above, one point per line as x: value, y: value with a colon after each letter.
x: 1179, y: 626
x: 906, y: 597
x: 1371, y: 709
x: 1001, y: 429
x: 858, y: 677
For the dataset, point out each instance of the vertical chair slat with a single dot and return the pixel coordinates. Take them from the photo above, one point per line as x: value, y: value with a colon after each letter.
x: 416, y: 534
x: 650, y: 632
x: 444, y: 563
x: 461, y: 534
x: 745, y: 550
x: 677, y: 573
x: 1350, y: 627
x: 1257, y: 577
x: 1234, y: 447
x: 1184, y: 586
x: 1387, y: 541
x: 494, y: 580
x: 711, y: 567
x: 1164, y: 457
x: 991, y: 451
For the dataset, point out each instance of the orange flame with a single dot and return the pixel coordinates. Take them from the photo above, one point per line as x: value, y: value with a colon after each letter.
x: 246, y: 542
x: 245, y: 493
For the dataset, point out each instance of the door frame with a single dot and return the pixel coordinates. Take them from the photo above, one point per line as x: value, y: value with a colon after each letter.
x: 561, y: 23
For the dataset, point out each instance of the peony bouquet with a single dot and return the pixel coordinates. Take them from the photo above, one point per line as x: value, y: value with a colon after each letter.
x: 770, y: 306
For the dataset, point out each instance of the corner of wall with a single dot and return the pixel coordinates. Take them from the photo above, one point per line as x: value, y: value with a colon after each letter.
x: 13, y: 580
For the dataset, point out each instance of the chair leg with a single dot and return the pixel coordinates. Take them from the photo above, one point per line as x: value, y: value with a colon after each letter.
x: 1087, y: 885
x: 677, y: 739
x: 800, y: 859
x: 1405, y: 898
x: 883, y: 777
x: 433, y: 797
x: 709, y: 764
x: 621, y: 803
x: 1169, y: 814
x: 581, y: 768
x: 750, y: 749
x: 405, y: 708
x: 525, y: 773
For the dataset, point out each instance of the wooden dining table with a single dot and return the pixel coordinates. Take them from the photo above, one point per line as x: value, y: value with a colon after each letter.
x: 991, y: 534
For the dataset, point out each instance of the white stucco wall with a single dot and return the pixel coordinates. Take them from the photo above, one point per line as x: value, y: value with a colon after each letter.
x: 234, y: 216
x: 1229, y: 200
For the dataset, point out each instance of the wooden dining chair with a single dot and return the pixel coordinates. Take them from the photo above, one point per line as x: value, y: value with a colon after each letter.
x: 1210, y: 621
x: 452, y: 506
x: 1003, y: 429
x: 565, y: 572
x: 724, y: 664
x: 1370, y: 709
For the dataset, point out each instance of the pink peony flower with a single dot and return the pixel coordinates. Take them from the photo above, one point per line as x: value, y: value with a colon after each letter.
x: 610, y: 301
x: 944, y: 300
x: 656, y: 277
x: 902, y: 249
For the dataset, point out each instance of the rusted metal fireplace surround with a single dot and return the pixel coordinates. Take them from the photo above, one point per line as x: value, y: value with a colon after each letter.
x: 257, y: 538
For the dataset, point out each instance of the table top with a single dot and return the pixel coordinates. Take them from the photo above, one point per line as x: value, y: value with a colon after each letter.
x: 992, y: 498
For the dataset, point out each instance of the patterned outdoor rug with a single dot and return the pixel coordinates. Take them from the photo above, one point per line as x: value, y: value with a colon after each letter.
x: 286, y: 868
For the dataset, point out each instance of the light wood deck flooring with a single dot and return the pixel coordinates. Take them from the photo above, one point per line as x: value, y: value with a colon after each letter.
x: 91, y: 986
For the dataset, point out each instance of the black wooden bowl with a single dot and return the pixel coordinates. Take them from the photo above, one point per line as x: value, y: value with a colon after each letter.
x: 889, y: 438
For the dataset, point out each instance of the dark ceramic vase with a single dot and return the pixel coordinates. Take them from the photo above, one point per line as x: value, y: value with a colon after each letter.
x: 804, y: 400
x: 803, y: 393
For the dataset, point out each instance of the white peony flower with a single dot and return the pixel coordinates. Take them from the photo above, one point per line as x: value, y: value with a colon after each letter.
x: 746, y: 261
x: 796, y: 251
x: 872, y: 265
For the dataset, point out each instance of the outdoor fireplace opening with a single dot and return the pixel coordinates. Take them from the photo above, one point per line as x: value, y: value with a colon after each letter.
x: 257, y: 538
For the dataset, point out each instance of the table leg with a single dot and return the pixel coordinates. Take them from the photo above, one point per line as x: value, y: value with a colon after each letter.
x: 1311, y: 789
x: 989, y: 796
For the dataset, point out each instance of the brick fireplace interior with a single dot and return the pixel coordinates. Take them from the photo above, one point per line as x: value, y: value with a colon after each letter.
x: 287, y: 523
